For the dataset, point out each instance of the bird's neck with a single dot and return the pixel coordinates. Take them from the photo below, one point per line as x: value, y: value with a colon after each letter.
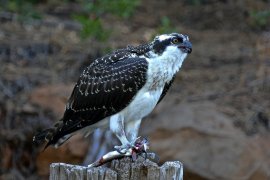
x: 166, y: 65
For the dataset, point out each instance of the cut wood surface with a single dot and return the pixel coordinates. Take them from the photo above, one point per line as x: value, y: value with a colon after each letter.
x: 119, y: 169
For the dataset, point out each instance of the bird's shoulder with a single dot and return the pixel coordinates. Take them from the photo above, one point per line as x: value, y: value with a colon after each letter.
x: 109, y: 83
x: 121, y: 55
x: 165, y: 89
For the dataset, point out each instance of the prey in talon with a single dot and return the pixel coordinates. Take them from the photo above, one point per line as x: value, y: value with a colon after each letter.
x: 118, y: 90
x: 140, y: 146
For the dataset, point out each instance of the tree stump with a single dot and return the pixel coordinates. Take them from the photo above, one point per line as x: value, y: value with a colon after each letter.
x: 119, y: 169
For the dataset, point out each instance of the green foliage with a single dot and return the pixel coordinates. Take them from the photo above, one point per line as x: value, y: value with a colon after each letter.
x: 260, y: 18
x: 91, y: 27
x: 90, y: 17
x: 121, y: 8
x: 24, y: 8
x: 165, y: 26
x: 93, y: 11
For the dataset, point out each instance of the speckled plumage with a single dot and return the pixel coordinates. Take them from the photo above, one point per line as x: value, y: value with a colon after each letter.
x: 124, y: 85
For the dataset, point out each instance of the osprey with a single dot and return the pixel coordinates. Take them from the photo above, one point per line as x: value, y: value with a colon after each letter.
x: 120, y: 89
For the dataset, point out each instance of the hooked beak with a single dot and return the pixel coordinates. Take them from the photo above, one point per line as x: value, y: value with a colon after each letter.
x: 186, y: 47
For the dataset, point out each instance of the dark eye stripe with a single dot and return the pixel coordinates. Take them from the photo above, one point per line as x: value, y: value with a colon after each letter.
x: 178, y: 39
x: 159, y: 47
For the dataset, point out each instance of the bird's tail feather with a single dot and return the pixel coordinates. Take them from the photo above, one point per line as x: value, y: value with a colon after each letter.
x: 61, y: 140
x: 50, y: 136
x: 44, y: 136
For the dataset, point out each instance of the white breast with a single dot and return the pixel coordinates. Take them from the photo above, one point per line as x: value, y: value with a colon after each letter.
x: 143, y: 103
x: 161, y: 69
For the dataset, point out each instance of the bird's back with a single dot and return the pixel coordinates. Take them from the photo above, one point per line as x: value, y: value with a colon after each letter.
x: 104, y: 88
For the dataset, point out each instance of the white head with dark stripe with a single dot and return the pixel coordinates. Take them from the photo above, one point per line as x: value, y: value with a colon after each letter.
x: 174, y: 40
x: 170, y: 49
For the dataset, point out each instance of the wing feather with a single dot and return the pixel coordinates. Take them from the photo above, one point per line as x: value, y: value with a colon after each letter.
x: 101, y: 91
x: 165, y: 89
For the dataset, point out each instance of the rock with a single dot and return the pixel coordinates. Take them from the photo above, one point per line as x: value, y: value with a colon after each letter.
x: 197, y: 134
x: 73, y: 151
x: 7, y: 158
x: 52, y: 97
x: 207, y: 142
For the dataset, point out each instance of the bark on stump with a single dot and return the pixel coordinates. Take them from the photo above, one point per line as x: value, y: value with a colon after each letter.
x: 119, y: 169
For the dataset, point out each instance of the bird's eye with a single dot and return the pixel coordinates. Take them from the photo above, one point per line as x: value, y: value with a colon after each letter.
x: 175, y: 40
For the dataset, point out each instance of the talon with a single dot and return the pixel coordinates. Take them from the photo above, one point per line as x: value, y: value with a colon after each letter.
x: 134, y: 156
x: 141, y: 145
x: 123, y: 149
x: 145, y: 156
x: 120, y: 150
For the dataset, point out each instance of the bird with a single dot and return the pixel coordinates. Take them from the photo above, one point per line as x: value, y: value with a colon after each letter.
x: 118, y: 90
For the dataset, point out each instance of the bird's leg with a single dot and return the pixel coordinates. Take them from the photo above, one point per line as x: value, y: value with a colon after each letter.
x: 132, y: 129
x: 139, y: 145
x: 117, y: 127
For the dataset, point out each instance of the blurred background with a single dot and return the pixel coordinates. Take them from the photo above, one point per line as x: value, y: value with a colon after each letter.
x: 215, y: 119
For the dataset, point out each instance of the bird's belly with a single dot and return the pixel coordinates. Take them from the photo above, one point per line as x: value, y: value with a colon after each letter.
x: 143, y: 103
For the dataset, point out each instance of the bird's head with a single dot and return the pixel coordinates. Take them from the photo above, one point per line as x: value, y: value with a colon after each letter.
x: 173, y: 42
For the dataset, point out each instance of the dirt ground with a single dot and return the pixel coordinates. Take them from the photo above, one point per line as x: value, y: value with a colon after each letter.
x: 229, y: 66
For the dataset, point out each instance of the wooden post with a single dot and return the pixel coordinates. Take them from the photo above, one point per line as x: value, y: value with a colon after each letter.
x: 119, y: 169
